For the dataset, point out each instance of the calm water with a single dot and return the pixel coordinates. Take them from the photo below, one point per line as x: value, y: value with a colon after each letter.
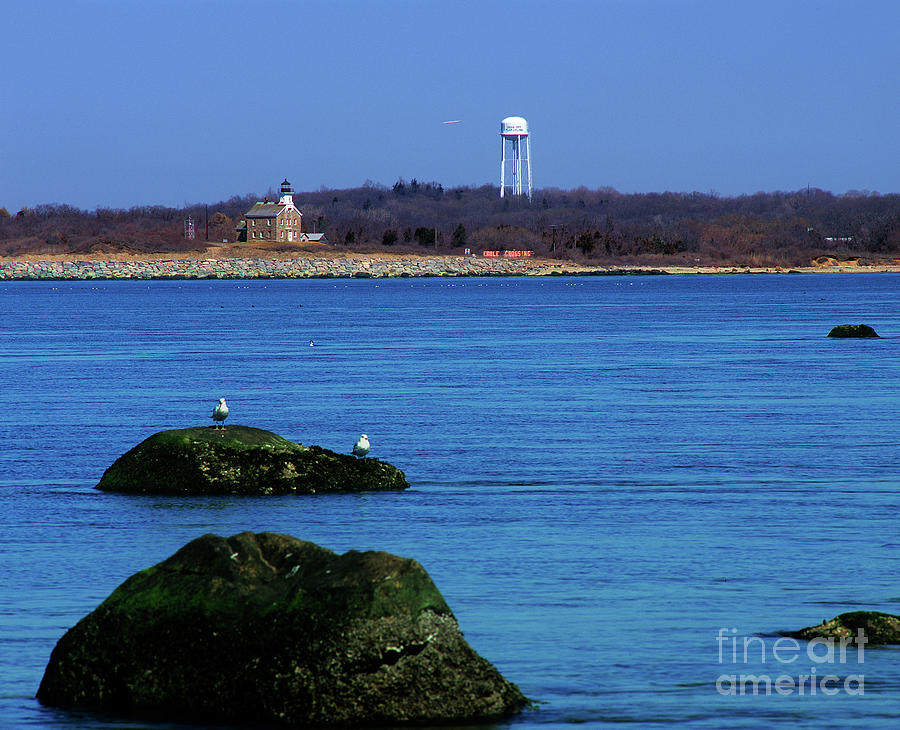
x: 607, y: 473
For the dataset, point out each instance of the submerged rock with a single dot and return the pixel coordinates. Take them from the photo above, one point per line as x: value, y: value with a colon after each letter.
x: 242, y: 460
x: 265, y: 628
x: 878, y: 628
x: 852, y: 330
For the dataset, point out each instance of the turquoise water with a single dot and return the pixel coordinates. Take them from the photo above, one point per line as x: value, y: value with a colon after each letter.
x: 607, y: 473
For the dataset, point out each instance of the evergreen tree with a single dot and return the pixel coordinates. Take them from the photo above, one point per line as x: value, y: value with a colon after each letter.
x: 459, y: 237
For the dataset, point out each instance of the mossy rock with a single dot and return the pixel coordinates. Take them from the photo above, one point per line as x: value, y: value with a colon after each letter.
x: 268, y: 629
x: 852, y: 330
x: 242, y: 460
x: 877, y: 627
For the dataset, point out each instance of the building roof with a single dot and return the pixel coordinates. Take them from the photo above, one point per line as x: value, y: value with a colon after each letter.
x: 265, y: 210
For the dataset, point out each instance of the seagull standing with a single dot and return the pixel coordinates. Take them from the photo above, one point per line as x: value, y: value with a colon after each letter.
x: 220, y: 413
x: 361, y: 447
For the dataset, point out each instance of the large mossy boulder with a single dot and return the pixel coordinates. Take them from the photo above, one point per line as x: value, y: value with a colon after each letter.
x: 242, y: 460
x: 877, y: 627
x: 852, y: 330
x: 267, y: 629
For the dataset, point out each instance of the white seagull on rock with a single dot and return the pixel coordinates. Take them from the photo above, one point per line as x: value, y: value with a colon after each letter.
x: 361, y: 447
x: 220, y: 413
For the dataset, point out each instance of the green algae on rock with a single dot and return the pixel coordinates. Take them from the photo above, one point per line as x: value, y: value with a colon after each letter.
x: 852, y: 330
x: 268, y: 629
x: 877, y: 627
x: 242, y: 460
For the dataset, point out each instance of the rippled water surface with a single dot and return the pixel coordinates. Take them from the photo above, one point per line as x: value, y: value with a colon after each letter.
x: 607, y: 473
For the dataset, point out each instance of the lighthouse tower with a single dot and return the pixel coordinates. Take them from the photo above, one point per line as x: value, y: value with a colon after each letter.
x: 287, y: 193
x: 513, y: 155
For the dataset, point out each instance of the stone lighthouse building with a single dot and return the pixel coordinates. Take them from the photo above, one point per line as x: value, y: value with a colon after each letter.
x: 267, y: 221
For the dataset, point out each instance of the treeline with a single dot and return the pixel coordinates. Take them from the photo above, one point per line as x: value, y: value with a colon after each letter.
x: 764, y: 229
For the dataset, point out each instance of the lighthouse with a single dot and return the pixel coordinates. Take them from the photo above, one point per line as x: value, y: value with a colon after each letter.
x: 287, y: 194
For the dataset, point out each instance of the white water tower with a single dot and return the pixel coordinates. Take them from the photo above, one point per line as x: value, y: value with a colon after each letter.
x: 513, y: 132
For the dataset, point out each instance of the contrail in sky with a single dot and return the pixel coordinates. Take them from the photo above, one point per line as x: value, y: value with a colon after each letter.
x: 452, y: 121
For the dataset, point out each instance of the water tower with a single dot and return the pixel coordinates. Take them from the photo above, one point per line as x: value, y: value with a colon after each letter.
x: 514, y: 141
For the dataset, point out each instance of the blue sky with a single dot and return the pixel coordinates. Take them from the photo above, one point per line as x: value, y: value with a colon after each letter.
x: 130, y: 102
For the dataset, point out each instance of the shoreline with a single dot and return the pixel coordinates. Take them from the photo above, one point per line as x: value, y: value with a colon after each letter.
x: 269, y: 264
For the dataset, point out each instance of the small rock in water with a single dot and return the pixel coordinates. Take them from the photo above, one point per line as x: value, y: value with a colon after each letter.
x: 877, y: 627
x: 852, y: 330
x: 242, y: 460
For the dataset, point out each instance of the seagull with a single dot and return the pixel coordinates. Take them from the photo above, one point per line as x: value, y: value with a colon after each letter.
x: 220, y: 413
x: 361, y: 447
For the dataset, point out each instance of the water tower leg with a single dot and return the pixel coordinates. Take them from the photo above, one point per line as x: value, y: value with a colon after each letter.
x: 502, y: 165
x: 518, y: 166
x: 528, y: 152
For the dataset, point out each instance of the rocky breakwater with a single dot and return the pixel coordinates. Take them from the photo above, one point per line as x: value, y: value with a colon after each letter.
x: 267, y: 629
x: 293, y: 268
x: 242, y: 460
